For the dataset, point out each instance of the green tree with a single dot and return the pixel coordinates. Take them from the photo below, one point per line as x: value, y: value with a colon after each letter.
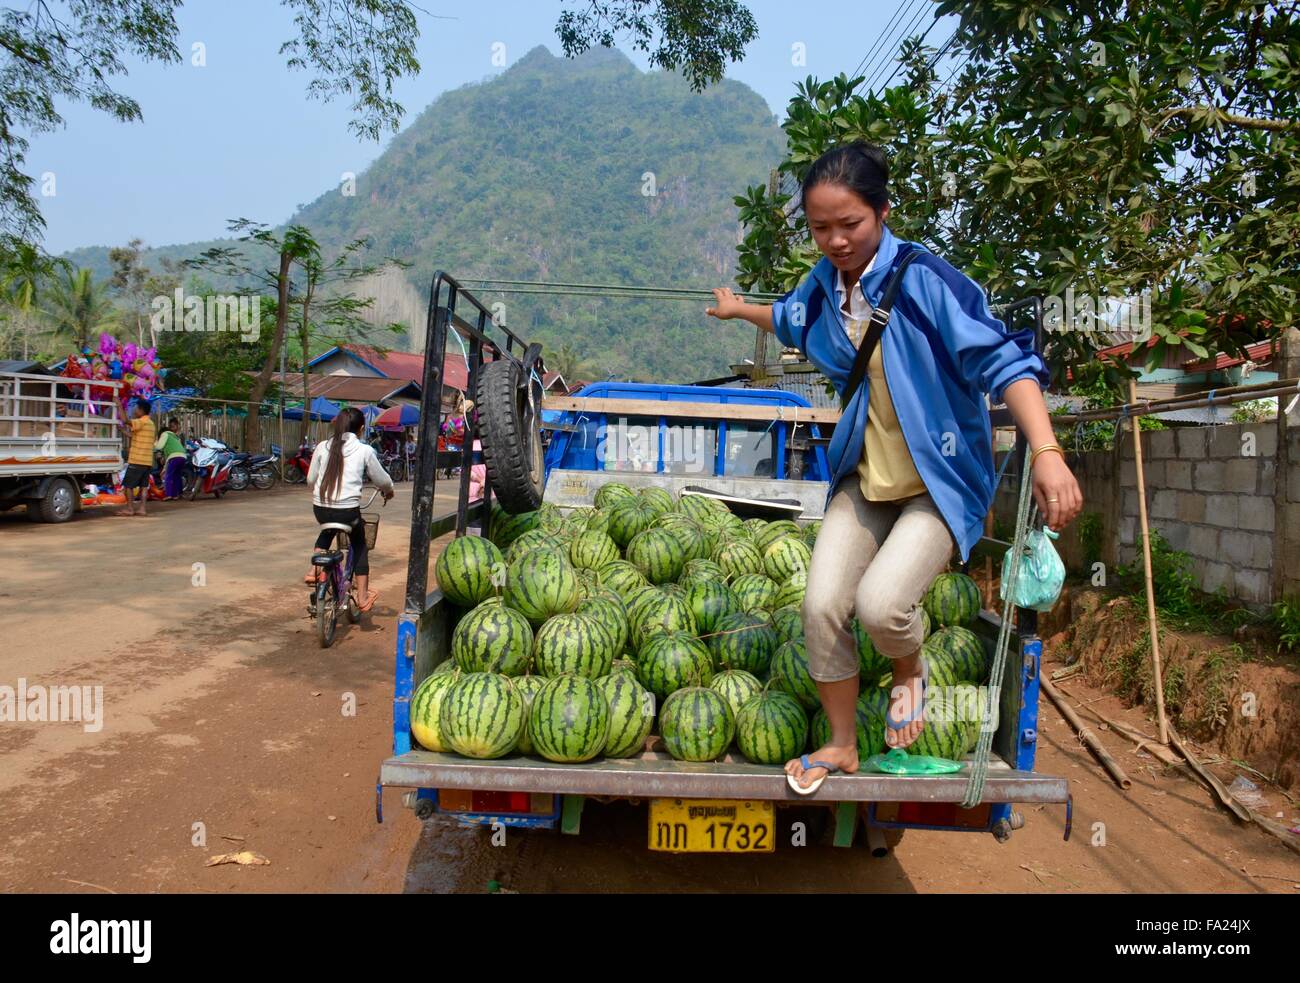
x: 569, y: 362
x: 24, y: 272
x: 78, y: 307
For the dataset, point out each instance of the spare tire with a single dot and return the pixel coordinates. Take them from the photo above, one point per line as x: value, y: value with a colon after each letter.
x: 509, y: 428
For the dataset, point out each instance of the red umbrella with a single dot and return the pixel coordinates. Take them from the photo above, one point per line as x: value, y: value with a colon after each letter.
x: 404, y: 415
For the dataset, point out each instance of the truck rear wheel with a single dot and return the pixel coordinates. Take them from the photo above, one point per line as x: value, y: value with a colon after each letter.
x: 58, y: 504
x: 509, y: 429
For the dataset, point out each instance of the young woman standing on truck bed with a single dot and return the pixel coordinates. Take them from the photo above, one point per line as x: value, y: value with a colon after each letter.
x: 914, y: 439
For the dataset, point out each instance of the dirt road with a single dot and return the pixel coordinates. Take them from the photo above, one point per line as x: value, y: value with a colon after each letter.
x: 226, y: 728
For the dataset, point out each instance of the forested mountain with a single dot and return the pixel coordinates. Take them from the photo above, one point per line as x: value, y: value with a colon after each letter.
x: 584, y: 170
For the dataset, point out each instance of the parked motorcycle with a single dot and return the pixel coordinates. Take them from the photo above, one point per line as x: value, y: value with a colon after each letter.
x: 296, y: 468
x: 210, y: 461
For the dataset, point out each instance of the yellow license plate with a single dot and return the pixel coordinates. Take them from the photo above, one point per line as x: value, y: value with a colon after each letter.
x: 712, y: 826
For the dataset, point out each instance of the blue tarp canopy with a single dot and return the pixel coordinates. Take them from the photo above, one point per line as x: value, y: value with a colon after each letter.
x: 321, y: 409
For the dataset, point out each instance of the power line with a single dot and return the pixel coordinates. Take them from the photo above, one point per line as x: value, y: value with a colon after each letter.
x: 937, y: 55
x: 871, y: 84
x: 879, y: 39
x: 883, y: 60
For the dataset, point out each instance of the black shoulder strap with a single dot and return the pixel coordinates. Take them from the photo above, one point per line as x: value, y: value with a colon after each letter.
x: 876, y: 327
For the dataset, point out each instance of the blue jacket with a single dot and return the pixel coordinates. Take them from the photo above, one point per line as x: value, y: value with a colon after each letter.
x: 942, y: 351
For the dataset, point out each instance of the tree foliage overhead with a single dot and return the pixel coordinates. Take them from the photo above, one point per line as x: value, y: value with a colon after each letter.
x: 1111, y: 147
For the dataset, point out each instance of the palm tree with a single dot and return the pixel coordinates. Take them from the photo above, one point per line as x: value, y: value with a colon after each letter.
x: 569, y: 362
x: 24, y: 271
x: 77, y: 306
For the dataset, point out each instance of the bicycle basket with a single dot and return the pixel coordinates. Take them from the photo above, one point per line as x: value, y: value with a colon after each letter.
x: 371, y: 519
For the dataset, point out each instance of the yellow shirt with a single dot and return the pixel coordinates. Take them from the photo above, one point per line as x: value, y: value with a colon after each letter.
x: 885, y: 472
x: 142, y: 439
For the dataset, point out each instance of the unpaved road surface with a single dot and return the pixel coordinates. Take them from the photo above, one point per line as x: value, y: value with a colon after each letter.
x: 226, y: 729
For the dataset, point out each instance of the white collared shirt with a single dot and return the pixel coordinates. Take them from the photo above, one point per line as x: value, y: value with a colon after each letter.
x: 859, y: 310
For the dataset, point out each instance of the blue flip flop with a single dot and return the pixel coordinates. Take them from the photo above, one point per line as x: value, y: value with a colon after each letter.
x: 897, y: 725
x: 810, y: 789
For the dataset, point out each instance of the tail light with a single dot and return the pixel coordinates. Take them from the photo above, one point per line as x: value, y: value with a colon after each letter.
x: 519, y: 803
x: 948, y: 814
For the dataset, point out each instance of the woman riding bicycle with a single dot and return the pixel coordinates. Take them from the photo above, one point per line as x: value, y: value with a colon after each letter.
x: 339, y: 467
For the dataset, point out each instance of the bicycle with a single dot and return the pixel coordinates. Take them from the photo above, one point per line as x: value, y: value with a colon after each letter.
x: 334, y: 589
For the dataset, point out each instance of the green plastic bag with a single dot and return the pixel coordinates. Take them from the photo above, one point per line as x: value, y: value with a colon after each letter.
x: 1040, y: 576
x: 898, y: 762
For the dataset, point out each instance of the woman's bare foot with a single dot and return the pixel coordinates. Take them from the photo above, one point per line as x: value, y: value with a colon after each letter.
x: 845, y: 758
x: 906, y: 699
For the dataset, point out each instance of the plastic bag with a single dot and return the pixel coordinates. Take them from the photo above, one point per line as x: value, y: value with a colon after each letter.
x: 1041, y: 574
x: 1247, y: 793
x: 899, y: 762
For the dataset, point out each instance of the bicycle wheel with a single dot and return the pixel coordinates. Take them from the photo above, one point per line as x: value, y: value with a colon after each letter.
x: 327, y: 612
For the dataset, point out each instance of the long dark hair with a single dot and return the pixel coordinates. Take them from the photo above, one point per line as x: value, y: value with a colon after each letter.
x: 348, y: 421
x: 861, y: 167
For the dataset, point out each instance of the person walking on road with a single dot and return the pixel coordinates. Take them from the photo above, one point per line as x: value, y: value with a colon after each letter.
x: 139, y: 461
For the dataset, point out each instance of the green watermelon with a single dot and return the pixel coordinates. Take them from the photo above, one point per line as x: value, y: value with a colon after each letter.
x: 608, y: 609
x: 701, y: 569
x: 946, y: 733
x: 576, y: 643
x: 710, y: 601
x: 482, y: 715
x: 631, y: 713
x: 791, y: 592
x: 493, y: 638
x: 952, y: 599
x: 755, y: 527
x: 611, y: 492
x: 754, y: 591
x: 592, y: 549
x: 743, y: 641
x: 627, y: 518
x: 696, y: 724
x: 771, y: 728
x: 738, y: 557
x: 621, y: 577
x: 694, y: 544
x: 789, y: 674
x: 597, y: 521
x: 529, y: 686
x: 667, y: 662
x: 657, y: 554
x: 736, y: 686
x: 569, y: 720
x: 465, y: 570
x: 786, y: 557
x: 788, y: 623
x: 870, y: 710
x: 666, y: 611
x: 505, y: 528
x: 659, y: 499
x: 541, y: 583
x: 871, y: 664
x: 700, y: 507
x: 966, y: 653
x: 780, y: 529
x: 427, y: 703
x: 810, y: 532
x: 532, y: 540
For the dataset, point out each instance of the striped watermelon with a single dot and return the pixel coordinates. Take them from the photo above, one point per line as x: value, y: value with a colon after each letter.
x: 493, y: 638
x: 810, y: 532
x: 771, y: 728
x: 869, y: 711
x: 736, y: 686
x: 743, y: 641
x: 872, y: 666
x: 791, y: 592
x: 598, y: 521
x: 755, y: 527
x: 592, y: 549
x: 529, y: 686
x: 710, y: 601
x: 665, y: 612
x: 952, y: 599
x: 738, y: 557
x: 465, y: 568
x: 631, y: 713
x: 550, y: 518
x: 657, y: 554
x: 608, y: 609
x: 701, y: 569
x: 426, y: 710
x: 587, y: 583
x: 659, y: 499
x: 754, y: 591
x: 532, y: 540
x: 505, y: 528
x: 569, y: 720
x: 612, y: 492
x: 696, y: 724
x: 946, y: 734
x: 789, y: 674
x: 636, y: 600
x: 786, y: 557
x: 788, y: 623
x: 621, y: 577
x: 670, y: 661
x: 773, y: 531
x: 627, y: 518
x: 576, y: 643
x: 540, y: 584
x: 965, y: 652
x: 700, y: 507
x: 446, y: 665
x: 694, y: 544
x: 482, y: 715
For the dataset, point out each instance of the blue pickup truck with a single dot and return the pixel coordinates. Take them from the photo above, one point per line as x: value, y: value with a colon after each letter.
x: 763, y: 450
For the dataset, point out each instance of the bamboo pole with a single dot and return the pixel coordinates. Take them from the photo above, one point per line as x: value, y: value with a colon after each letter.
x: 1146, y: 563
x: 1086, y: 735
x: 1227, y: 396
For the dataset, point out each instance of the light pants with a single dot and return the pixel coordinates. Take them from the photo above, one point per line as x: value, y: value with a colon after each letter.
x: 875, y: 560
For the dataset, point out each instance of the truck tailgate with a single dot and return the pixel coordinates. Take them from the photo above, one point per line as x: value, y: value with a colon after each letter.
x: 654, y: 774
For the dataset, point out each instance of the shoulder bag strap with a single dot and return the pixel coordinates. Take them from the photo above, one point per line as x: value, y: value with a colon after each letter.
x: 876, y: 327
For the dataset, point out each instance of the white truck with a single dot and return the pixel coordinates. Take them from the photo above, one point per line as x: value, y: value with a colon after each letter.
x: 57, y: 435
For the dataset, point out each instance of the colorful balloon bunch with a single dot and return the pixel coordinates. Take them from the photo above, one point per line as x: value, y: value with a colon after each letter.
x: 140, y: 368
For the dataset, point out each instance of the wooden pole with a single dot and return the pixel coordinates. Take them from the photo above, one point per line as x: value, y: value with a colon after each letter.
x: 1086, y: 735
x: 1146, y: 562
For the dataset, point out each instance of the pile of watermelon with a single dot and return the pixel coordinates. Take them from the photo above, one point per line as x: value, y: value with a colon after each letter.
x: 586, y: 630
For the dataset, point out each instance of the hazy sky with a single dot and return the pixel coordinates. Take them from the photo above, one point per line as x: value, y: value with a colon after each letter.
x: 239, y: 137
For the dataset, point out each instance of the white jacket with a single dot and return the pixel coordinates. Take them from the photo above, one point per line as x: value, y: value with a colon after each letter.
x: 359, y: 461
